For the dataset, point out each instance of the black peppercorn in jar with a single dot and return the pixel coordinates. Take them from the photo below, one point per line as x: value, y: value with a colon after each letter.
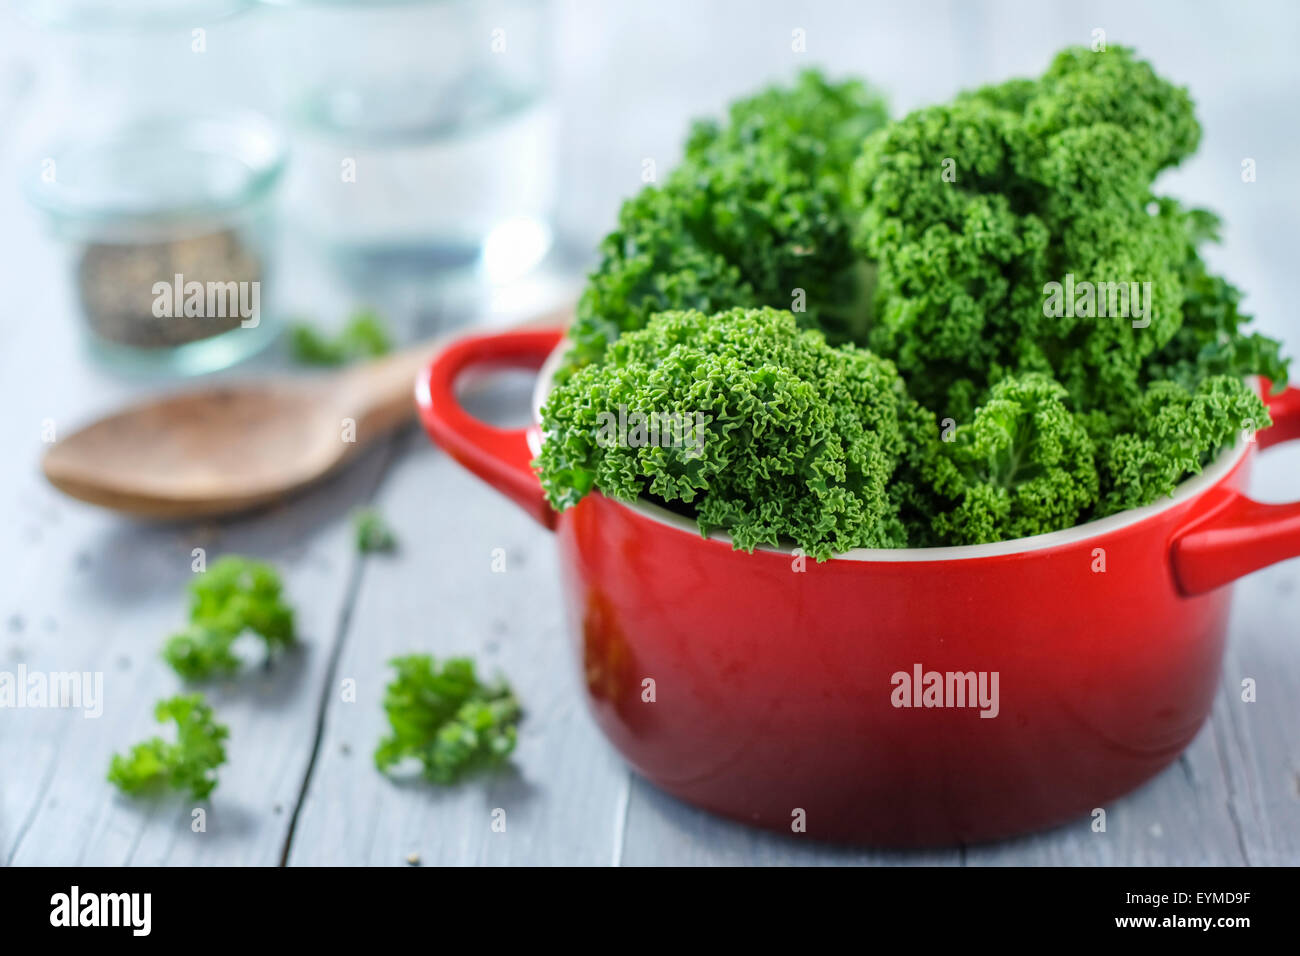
x: 126, y: 302
x: 149, y: 159
x: 167, y: 224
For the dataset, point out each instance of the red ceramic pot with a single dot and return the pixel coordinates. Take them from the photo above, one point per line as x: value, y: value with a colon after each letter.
x: 786, y: 690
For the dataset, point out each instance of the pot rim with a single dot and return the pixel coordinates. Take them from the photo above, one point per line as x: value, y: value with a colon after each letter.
x: 1188, y: 490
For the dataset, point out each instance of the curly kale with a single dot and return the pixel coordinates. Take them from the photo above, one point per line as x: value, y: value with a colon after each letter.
x: 814, y: 116
x: 373, y: 532
x: 1024, y: 466
x: 1211, y: 340
x: 1051, y: 182
x: 1005, y: 252
x: 445, y: 718
x: 1050, y: 178
x: 188, y: 764
x: 364, y: 336
x: 1175, y: 432
x: 764, y: 430
x: 756, y: 214
x: 1046, y: 179
x: 234, y: 596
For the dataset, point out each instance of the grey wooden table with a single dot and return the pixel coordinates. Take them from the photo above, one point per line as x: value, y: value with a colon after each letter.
x: 81, y: 590
x: 88, y: 591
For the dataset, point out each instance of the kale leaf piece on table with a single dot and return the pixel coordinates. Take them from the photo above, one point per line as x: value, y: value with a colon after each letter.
x: 234, y: 596
x: 446, y: 719
x: 188, y: 764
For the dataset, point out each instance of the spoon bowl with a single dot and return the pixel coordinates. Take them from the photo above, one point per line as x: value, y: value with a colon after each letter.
x: 233, y: 447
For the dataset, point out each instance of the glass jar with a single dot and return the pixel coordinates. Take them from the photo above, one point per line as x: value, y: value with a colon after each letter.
x: 157, y: 178
x: 422, y: 137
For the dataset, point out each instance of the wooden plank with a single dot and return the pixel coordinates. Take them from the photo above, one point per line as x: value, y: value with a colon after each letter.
x: 1178, y: 819
x: 112, y: 617
x: 440, y: 596
x: 1260, y: 740
x: 84, y: 590
x: 662, y: 831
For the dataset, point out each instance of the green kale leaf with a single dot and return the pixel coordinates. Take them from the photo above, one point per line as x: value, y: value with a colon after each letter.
x: 1175, y: 433
x: 445, y: 718
x: 364, y: 336
x: 1024, y: 466
x: 1006, y: 258
x: 756, y: 214
x: 234, y: 596
x: 188, y: 764
x: 373, y: 533
x: 761, y: 428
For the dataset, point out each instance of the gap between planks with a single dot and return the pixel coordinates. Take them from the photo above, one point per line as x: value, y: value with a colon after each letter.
x: 393, y: 450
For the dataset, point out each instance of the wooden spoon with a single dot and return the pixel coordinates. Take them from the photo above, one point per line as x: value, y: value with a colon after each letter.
x: 239, y: 446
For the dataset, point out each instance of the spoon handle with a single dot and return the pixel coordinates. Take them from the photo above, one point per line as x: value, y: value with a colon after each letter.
x: 381, y: 393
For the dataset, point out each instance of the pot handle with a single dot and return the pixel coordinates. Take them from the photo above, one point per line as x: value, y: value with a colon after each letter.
x: 1242, y: 535
x: 500, y: 456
